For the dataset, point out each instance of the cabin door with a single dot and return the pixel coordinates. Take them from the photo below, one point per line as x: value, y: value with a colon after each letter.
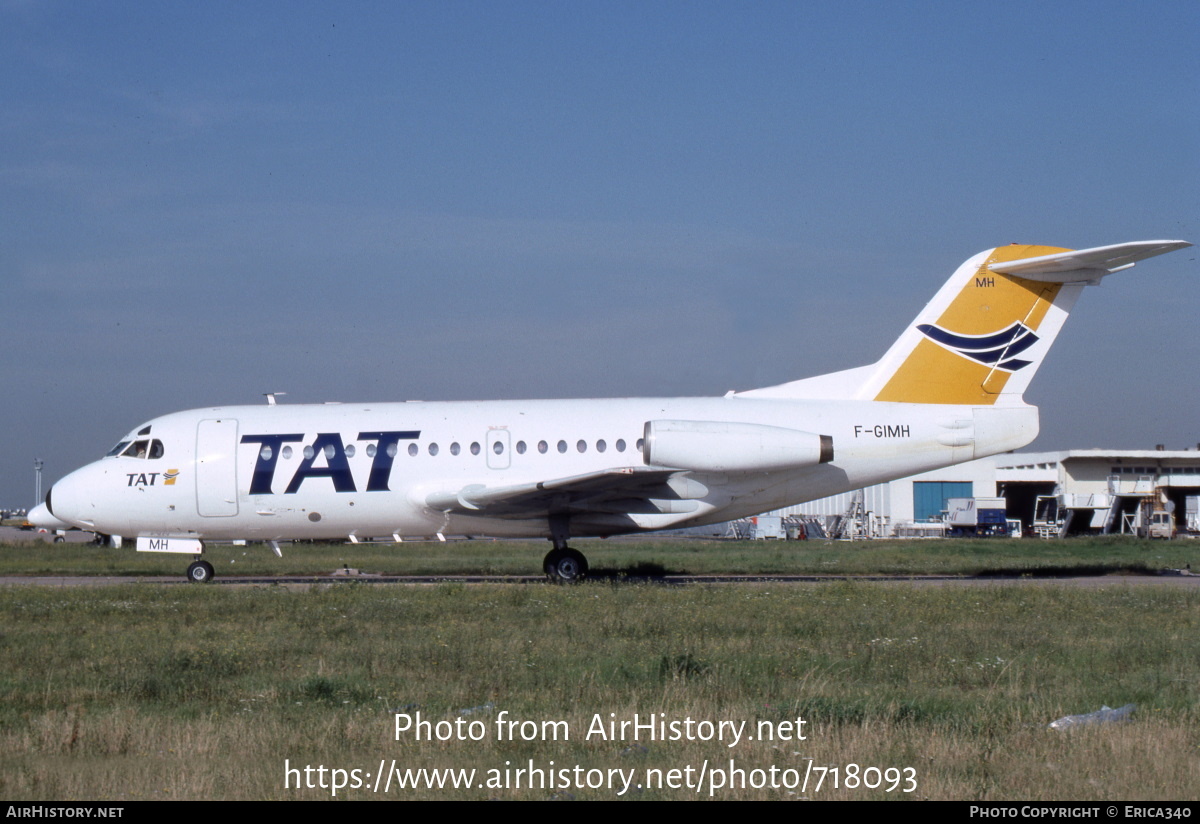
x: 216, y: 468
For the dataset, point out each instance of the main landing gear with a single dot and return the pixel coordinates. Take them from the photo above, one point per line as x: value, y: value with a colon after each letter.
x: 563, y: 565
x: 200, y: 572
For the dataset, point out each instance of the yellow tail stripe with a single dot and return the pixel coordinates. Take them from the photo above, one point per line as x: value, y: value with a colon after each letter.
x: 988, y: 302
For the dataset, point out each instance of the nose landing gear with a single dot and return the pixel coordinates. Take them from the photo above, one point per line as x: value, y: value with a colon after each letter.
x: 200, y: 572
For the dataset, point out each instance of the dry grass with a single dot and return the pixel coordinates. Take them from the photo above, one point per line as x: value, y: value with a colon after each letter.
x: 201, y: 692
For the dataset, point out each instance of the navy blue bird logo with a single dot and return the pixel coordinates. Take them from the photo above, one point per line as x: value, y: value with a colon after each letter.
x: 998, y: 349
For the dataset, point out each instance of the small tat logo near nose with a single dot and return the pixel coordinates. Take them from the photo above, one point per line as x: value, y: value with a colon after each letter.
x: 169, y: 477
x: 996, y: 349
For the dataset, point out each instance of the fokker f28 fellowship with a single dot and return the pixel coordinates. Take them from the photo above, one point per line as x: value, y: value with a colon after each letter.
x: 948, y: 390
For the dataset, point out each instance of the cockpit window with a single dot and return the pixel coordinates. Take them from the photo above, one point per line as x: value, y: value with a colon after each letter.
x: 141, y: 449
x: 145, y: 430
x: 116, y: 450
x: 137, y: 449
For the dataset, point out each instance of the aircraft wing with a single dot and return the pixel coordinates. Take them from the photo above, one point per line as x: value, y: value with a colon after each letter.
x: 621, y: 490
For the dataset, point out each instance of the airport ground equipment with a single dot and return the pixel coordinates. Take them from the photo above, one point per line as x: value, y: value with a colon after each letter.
x: 976, y: 517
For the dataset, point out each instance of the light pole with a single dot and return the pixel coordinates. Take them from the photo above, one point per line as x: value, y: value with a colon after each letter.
x: 37, y: 488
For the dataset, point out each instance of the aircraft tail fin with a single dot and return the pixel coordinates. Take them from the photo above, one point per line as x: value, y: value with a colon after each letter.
x: 984, y: 334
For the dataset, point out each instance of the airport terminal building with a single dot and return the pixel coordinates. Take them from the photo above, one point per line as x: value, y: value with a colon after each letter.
x: 1075, y: 491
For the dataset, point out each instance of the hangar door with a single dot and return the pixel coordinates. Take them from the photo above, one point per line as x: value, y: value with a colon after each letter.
x: 929, y: 497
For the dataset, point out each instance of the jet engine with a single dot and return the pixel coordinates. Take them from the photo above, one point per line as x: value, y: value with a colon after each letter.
x: 722, y: 446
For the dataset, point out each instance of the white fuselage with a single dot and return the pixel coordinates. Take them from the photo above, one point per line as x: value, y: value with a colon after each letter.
x: 333, y: 471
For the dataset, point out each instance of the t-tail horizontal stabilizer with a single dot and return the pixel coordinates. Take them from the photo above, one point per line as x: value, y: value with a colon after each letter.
x: 984, y: 334
x: 1088, y: 265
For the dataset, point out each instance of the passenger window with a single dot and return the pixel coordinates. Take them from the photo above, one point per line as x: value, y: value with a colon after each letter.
x: 542, y: 447
x: 412, y: 449
x: 287, y: 453
x: 620, y: 444
x: 475, y: 448
x: 498, y: 448
x: 433, y: 449
x: 454, y: 448
x: 562, y: 446
x: 581, y: 445
x: 350, y: 450
x: 601, y: 445
x: 520, y: 447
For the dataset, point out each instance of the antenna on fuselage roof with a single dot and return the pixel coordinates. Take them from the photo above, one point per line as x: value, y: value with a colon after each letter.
x: 270, y: 396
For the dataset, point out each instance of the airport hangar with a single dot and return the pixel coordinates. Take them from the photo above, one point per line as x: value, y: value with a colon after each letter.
x: 1068, y: 492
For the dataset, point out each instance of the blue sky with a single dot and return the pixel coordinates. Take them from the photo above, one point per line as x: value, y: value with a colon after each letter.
x: 382, y: 201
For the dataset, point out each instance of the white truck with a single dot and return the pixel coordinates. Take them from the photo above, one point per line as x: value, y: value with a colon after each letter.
x: 976, y: 517
x: 1160, y: 524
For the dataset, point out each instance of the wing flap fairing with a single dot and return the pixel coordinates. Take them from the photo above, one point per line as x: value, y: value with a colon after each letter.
x: 622, y: 489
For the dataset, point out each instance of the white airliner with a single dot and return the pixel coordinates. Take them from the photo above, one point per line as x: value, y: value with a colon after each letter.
x: 40, y: 519
x: 949, y: 390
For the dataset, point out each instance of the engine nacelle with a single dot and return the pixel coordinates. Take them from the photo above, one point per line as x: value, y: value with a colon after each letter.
x: 721, y: 446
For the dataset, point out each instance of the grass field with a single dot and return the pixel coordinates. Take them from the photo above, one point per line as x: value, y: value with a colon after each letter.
x: 630, y: 556
x: 208, y: 692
